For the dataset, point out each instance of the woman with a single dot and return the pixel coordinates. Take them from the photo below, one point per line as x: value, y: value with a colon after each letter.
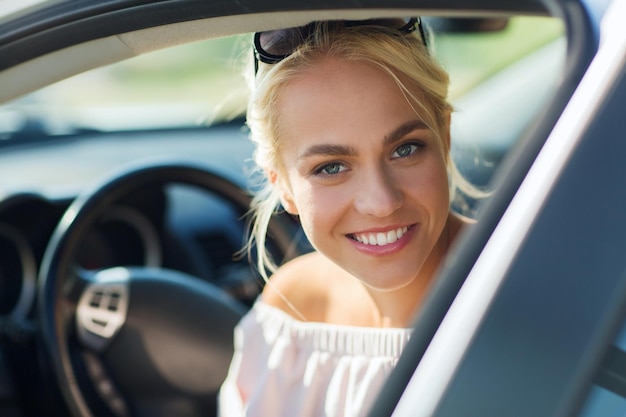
x: 351, y: 125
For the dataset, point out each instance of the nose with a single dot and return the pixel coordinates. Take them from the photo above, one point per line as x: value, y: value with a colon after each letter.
x: 378, y: 194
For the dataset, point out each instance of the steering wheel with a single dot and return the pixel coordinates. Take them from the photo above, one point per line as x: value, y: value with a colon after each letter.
x: 138, y: 341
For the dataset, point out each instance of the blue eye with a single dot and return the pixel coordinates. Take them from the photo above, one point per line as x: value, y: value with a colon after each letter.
x: 406, y: 149
x: 332, y: 168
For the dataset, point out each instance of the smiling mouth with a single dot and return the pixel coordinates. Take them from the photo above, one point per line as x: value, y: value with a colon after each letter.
x: 380, y: 238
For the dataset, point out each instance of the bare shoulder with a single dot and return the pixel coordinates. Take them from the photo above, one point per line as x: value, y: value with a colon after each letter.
x: 300, y: 287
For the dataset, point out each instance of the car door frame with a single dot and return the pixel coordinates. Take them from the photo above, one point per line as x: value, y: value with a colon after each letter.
x: 528, y: 329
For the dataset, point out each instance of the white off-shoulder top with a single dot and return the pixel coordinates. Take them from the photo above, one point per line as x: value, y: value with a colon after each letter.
x: 283, y: 367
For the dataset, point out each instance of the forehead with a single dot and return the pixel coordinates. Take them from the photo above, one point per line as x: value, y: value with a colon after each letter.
x: 339, y: 102
x: 336, y: 90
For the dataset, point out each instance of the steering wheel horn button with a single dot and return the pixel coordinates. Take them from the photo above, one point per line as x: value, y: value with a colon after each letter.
x: 102, y: 308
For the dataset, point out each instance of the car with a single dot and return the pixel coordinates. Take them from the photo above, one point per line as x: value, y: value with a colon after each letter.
x: 125, y: 179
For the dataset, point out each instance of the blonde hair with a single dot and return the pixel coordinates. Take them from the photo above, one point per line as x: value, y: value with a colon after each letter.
x: 403, y: 56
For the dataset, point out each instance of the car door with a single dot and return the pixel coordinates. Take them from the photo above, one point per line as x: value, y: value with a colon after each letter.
x: 533, y: 329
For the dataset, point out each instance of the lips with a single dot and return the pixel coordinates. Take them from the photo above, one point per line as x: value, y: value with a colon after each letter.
x: 380, y: 238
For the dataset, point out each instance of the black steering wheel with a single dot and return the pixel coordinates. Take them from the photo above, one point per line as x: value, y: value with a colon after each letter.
x: 138, y: 341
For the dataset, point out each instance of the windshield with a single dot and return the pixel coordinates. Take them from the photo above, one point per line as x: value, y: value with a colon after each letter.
x: 184, y: 86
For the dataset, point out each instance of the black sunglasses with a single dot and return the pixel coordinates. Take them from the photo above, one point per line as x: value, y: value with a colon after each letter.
x: 272, y: 46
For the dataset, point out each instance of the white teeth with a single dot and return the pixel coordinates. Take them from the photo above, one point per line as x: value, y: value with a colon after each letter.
x: 381, y: 239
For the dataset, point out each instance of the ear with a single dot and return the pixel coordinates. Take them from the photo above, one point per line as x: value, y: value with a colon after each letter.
x: 286, y: 198
x: 288, y: 204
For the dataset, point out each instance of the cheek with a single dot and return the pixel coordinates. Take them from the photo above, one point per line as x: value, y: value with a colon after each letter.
x: 429, y: 184
x: 310, y: 210
x: 319, y: 208
x: 312, y: 203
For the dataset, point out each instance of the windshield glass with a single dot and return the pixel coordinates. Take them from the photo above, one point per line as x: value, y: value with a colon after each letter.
x: 189, y: 85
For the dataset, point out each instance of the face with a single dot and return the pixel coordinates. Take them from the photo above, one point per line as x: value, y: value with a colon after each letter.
x: 364, y: 173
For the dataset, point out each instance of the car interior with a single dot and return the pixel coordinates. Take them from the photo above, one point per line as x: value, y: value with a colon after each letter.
x: 123, y: 219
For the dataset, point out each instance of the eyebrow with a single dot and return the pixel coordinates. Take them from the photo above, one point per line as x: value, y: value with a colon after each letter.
x: 340, y: 150
x: 329, y: 150
x: 403, y: 130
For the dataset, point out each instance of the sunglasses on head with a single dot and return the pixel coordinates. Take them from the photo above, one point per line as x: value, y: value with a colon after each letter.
x: 272, y: 46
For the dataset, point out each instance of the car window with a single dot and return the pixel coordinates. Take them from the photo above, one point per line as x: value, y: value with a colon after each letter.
x: 189, y: 102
